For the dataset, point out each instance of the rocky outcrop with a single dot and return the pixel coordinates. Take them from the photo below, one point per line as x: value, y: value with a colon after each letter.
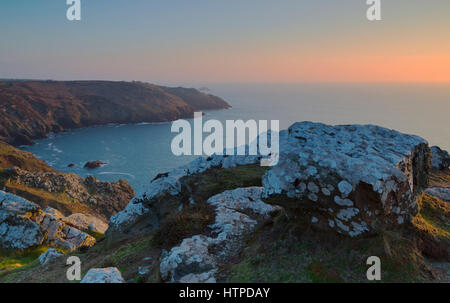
x: 442, y: 193
x: 351, y: 178
x: 86, y: 223
x: 103, y: 275
x: 440, y: 159
x: 50, y: 256
x: 32, y: 109
x: 94, y: 164
x: 166, y: 193
x: 89, y: 196
x: 24, y: 225
x: 197, y: 259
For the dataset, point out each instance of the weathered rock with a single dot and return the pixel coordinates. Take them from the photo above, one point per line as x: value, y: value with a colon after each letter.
x: 85, y: 222
x: 194, y: 260
x: 440, y: 159
x: 103, y: 275
x: 94, y: 164
x: 17, y: 229
x: 50, y: 256
x: 24, y: 225
x: 351, y: 178
x: 206, y: 277
x: 442, y: 193
x: 167, y: 187
x: 90, y: 196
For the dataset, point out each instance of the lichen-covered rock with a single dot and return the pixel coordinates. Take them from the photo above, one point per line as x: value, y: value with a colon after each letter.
x: 103, y: 275
x: 49, y: 256
x: 440, y: 159
x: 166, y: 186
x: 196, y: 259
x: 86, y: 222
x: 351, y: 178
x: 23, y: 225
x: 442, y: 193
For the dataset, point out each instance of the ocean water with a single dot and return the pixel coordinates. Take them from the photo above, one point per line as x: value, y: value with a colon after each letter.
x: 139, y: 152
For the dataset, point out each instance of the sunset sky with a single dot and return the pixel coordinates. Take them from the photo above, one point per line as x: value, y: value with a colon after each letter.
x: 201, y: 41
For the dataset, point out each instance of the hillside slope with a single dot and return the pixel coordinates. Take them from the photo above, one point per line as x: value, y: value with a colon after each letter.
x: 32, y: 109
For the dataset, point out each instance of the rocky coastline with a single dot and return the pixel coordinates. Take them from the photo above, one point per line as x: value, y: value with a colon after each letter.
x: 338, y: 195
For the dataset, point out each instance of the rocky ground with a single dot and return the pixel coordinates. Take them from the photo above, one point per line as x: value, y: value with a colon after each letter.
x: 339, y: 195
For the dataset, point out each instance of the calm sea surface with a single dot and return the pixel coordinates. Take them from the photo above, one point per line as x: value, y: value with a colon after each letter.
x: 139, y: 152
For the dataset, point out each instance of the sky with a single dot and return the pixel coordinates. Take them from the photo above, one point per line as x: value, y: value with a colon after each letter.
x: 208, y: 41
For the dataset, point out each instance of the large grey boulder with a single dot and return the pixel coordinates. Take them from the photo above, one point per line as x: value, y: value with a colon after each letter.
x: 193, y: 261
x: 23, y: 225
x: 348, y: 178
x: 440, y: 159
x: 103, y: 275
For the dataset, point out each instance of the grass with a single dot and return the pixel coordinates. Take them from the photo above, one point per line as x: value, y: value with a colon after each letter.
x: 11, y: 156
x: 12, y: 260
x: 195, y: 219
x: 283, y: 251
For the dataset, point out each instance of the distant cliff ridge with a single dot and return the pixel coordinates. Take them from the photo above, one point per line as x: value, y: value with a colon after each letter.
x: 32, y: 109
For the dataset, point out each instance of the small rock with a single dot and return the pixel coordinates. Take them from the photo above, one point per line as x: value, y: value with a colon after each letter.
x: 103, y: 275
x: 144, y: 270
x: 49, y: 256
x: 94, y: 164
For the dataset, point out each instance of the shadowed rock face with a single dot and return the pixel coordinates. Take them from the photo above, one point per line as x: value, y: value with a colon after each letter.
x: 351, y: 178
x: 31, y: 109
x: 440, y: 159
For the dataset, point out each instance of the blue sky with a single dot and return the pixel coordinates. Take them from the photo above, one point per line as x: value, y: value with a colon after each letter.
x: 223, y: 41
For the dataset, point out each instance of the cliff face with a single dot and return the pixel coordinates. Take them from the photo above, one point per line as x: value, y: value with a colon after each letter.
x: 31, y: 109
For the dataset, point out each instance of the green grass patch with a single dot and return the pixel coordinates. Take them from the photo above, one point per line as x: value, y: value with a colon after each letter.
x: 12, y: 260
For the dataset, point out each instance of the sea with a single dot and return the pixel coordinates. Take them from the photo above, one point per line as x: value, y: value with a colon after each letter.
x: 138, y: 152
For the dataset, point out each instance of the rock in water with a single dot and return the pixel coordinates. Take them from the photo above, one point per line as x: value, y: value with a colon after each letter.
x: 49, y: 256
x: 94, y: 164
x: 103, y: 275
x: 440, y: 159
x: 350, y: 178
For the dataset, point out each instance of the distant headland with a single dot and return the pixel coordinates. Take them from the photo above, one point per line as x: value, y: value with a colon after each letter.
x: 31, y: 109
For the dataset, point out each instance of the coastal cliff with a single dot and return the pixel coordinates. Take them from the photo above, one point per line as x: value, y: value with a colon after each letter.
x: 339, y: 195
x: 32, y: 109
